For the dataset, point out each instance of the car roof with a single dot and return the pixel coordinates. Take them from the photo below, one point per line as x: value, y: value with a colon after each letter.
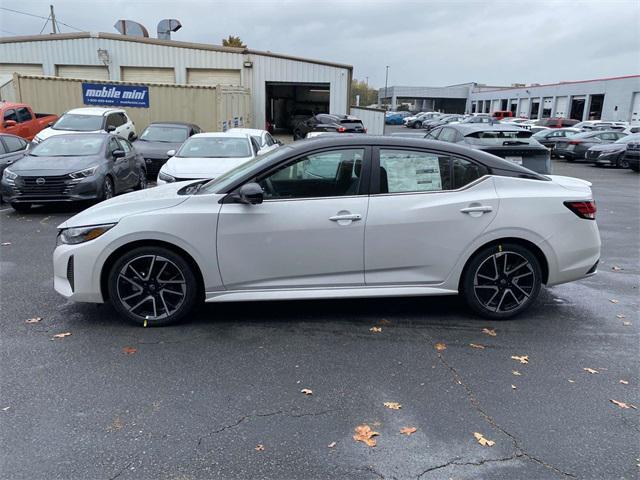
x: 176, y: 124
x: 226, y: 134
x: 96, y: 111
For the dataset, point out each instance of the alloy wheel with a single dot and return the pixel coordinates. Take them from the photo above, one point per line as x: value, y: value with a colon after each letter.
x: 107, y: 189
x: 504, y: 281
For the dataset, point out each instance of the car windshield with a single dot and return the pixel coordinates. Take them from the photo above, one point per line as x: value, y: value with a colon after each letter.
x: 634, y: 137
x: 164, y: 133
x: 68, y: 146
x: 79, y: 123
x: 215, y: 147
x: 220, y: 183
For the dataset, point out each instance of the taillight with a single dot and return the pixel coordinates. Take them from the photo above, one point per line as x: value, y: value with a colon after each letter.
x: 342, y: 129
x: 583, y: 209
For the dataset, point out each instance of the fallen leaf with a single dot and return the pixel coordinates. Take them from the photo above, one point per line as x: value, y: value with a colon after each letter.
x: 622, y: 404
x: 475, y: 345
x: 489, y: 331
x: 521, y: 359
x: 513, y: 386
x: 375, y: 329
x: 616, y: 268
x: 571, y: 381
x: 614, y: 300
x: 306, y: 391
x: 384, y: 321
x: 5, y: 409
x: 591, y: 370
x: 393, y: 405
x: 626, y: 324
x: 61, y: 335
x: 145, y: 323
x: 365, y: 435
x: 621, y: 315
x: 331, y: 445
x: 116, y: 425
x: 129, y: 350
x: 33, y: 320
x: 440, y: 346
x: 408, y: 430
x: 516, y: 372
x: 624, y: 382
x: 483, y: 441
x: 259, y: 448
x: 5, y: 244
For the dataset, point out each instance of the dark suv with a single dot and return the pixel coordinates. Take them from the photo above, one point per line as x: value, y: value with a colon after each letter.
x: 325, y: 122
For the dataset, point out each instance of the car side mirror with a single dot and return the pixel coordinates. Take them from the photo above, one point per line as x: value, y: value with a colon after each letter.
x: 133, y: 138
x: 110, y: 128
x: 10, y: 123
x: 118, y: 153
x: 279, y: 142
x: 171, y: 153
x: 251, y: 194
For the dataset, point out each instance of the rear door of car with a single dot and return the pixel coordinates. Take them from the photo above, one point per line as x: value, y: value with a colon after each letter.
x: 425, y: 208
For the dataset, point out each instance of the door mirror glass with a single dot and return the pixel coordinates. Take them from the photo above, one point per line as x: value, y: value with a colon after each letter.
x: 118, y: 153
x: 171, y: 153
x: 251, y: 194
x: 110, y: 128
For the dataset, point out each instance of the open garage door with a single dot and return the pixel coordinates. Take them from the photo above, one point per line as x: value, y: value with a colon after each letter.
x: 289, y: 103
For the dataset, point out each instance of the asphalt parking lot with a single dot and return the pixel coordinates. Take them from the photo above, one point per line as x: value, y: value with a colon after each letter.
x: 220, y: 396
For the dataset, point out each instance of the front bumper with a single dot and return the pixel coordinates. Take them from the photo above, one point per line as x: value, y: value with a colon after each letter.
x: 54, y: 189
x: 73, y: 272
x: 153, y: 166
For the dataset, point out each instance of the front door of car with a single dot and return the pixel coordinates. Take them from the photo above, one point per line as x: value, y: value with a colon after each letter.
x: 427, y: 209
x: 119, y: 165
x: 131, y: 174
x: 308, y: 232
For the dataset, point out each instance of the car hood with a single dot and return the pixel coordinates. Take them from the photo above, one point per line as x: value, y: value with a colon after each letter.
x: 115, y: 209
x: 50, y: 132
x: 609, y: 147
x: 181, y: 167
x: 30, y: 165
x: 155, y: 149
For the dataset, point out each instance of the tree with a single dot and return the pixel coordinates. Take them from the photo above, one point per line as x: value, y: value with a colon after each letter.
x: 232, y: 41
x: 367, y: 94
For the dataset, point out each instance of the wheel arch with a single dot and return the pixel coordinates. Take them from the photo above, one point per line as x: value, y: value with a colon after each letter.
x: 535, y: 250
x: 113, y: 257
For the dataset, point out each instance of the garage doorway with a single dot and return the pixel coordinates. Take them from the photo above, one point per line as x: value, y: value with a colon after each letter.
x: 577, y: 108
x: 289, y: 103
x: 595, y: 107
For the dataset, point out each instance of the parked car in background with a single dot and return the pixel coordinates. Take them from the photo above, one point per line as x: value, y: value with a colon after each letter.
x: 91, y: 120
x: 12, y: 148
x: 443, y: 120
x: 297, y: 116
x: 74, y: 167
x: 415, y: 121
x: 208, y: 155
x: 612, y: 154
x: 395, y: 118
x: 160, y: 137
x: 324, y: 122
x: 479, y: 119
x: 265, y: 141
x: 20, y: 120
x: 557, y: 122
x: 516, y: 120
x: 632, y: 156
x: 575, y: 147
x: 590, y: 125
x: 514, y: 144
x: 550, y: 136
x: 500, y: 114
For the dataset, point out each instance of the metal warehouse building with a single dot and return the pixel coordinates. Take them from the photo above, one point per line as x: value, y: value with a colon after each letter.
x: 279, y: 84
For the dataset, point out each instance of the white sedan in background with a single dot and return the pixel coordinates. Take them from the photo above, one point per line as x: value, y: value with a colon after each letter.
x: 264, y: 138
x: 208, y: 155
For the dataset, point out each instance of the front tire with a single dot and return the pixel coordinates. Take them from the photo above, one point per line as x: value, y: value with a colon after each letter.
x: 622, y: 162
x: 502, y: 281
x: 152, y: 286
x: 108, y: 190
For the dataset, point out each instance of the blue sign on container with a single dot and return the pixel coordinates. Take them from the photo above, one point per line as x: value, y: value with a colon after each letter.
x: 115, y: 95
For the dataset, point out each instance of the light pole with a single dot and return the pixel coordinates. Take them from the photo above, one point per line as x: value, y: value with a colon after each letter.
x: 386, y: 81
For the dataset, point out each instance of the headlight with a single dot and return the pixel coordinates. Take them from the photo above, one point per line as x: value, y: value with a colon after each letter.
x: 73, y: 236
x: 166, y: 177
x: 87, y: 172
x: 9, y: 175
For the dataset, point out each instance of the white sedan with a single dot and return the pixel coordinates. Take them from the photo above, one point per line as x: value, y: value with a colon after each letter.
x: 208, y: 155
x: 265, y: 141
x: 338, y: 217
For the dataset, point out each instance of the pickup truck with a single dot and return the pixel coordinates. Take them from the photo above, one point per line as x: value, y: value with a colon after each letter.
x: 19, y: 119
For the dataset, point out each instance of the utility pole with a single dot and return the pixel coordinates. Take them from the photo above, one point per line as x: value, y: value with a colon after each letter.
x: 386, y: 81
x: 53, y: 20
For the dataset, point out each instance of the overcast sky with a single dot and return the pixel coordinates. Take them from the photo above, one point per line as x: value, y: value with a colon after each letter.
x: 431, y: 43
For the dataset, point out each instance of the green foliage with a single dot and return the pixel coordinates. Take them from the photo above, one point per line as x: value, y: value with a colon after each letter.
x: 232, y: 41
x: 368, y: 95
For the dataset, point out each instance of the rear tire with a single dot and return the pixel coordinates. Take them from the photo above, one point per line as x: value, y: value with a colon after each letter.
x: 622, y: 163
x: 21, y: 207
x: 142, y: 180
x: 152, y: 284
x: 501, y: 281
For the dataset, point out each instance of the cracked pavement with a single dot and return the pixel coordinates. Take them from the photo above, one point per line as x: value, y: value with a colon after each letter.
x: 195, y: 400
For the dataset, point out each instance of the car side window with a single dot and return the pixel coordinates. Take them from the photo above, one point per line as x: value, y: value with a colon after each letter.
x: 116, y: 120
x: 404, y: 171
x: 113, y: 145
x: 126, y: 146
x: 332, y: 173
x: 14, y: 144
x: 465, y: 171
x: 270, y: 140
x: 10, y: 115
x: 435, y: 133
x: 23, y: 114
x: 3, y: 149
x: 447, y: 135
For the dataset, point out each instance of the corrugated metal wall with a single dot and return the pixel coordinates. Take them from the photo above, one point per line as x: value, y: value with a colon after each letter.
x: 372, y: 119
x: 197, y: 104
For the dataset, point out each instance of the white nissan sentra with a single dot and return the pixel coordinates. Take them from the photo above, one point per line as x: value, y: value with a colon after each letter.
x: 335, y: 217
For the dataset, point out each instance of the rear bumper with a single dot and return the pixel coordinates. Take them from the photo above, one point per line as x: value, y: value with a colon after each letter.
x: 577, y: 255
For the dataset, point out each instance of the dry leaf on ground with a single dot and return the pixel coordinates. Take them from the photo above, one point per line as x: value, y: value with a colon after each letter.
x: 591, y: 370
x: 408, y: 430
x: 489, y: 331
x: 513, y: 387
x: 62, y: 335
x: 626, y: 324
x: 129, y: 350
x: 483, y: 441
x: 571, y: 381
x: 5, y: 409
x: 259, y: 448
x: 331, y: 445
x: 440, y: 346
x: 622, y: 404
x: 375, y: 329
x: 624, y: 382
x: 616, y: 268
x: 476, y: 345
x: 521, y: 359
x: 365, y: 435
x: 516, y: 372
x: 306, y: 391
x: 393, y: 405
x: 33, y: 320
x: 5, y: 244
x: 621, y: 315
x: 614, y: 300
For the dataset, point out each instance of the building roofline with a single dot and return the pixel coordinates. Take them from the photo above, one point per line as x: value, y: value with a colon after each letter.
x: 166, y: 43
x: 560, y: 83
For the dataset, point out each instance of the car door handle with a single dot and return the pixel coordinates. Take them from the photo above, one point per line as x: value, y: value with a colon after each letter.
x: 479, y: 208
x: 349, y: 216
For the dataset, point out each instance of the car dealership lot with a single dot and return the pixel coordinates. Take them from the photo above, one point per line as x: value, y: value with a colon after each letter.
x: 196, y: 400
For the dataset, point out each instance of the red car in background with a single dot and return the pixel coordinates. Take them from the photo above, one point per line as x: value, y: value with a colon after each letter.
x: 557, y: 122
x: 20, y: 120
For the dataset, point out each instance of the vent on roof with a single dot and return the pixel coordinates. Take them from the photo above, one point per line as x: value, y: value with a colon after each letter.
x: 131, y: 28
x: 166, y: 26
